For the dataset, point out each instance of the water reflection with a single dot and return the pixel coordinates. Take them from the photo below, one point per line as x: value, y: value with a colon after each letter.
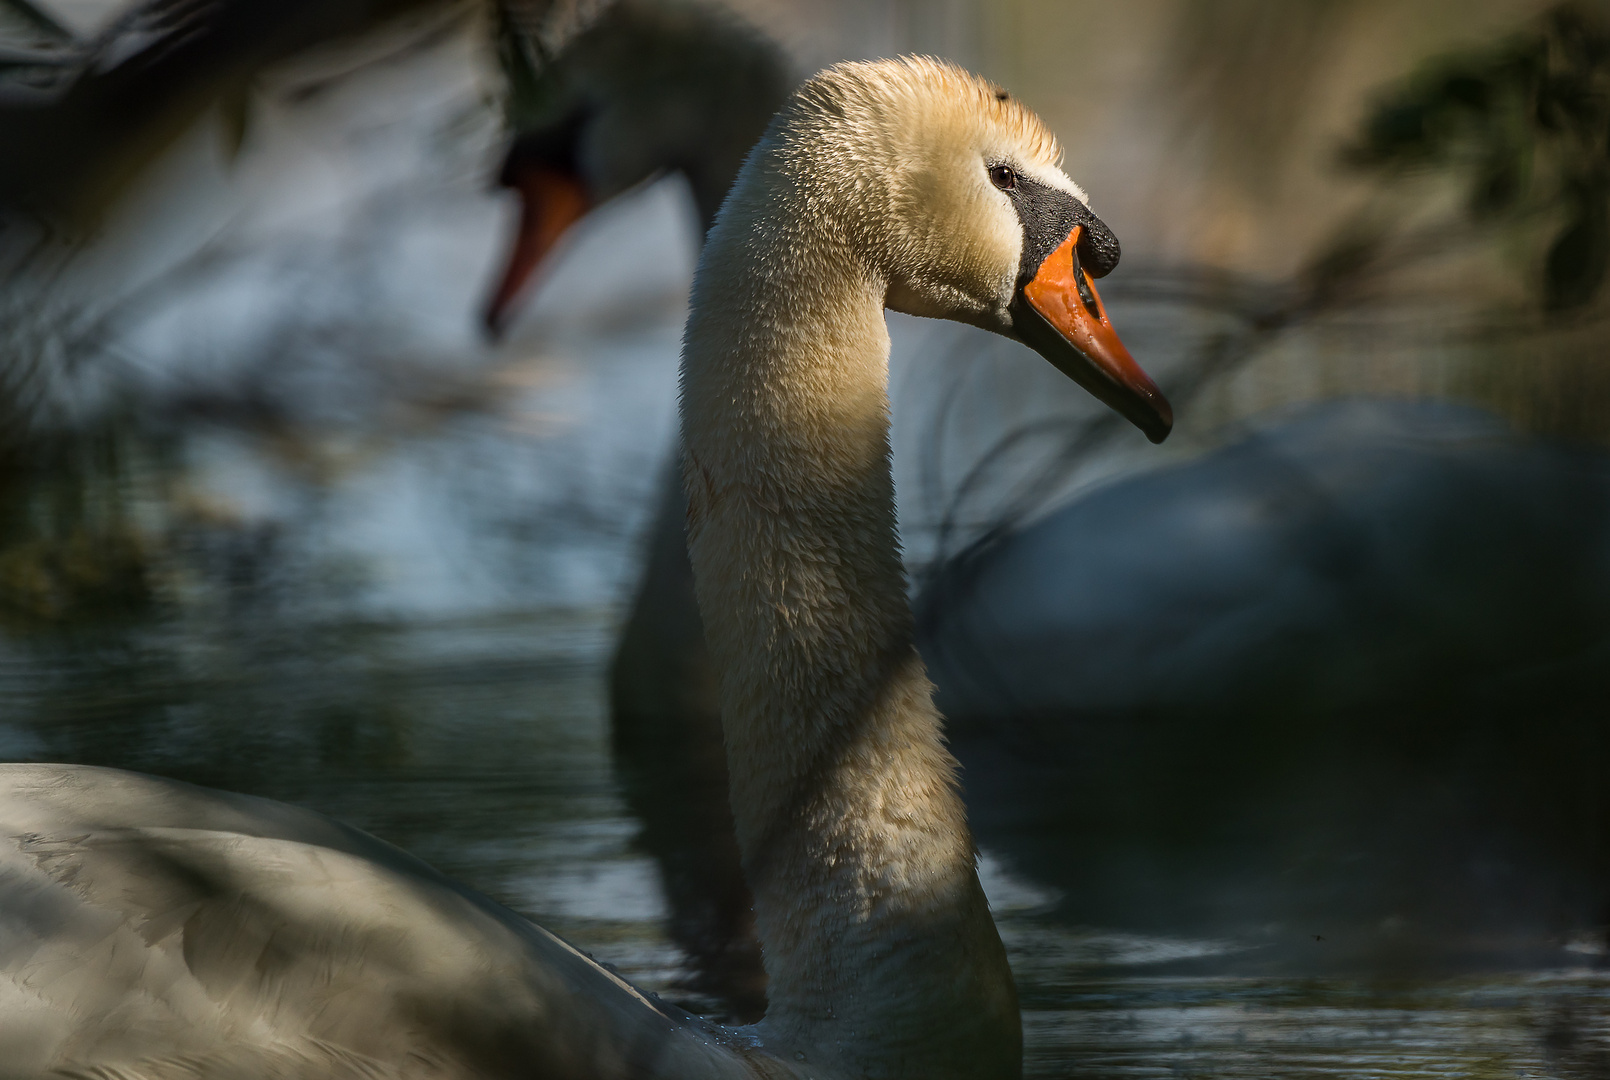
x: 1543, y: 1026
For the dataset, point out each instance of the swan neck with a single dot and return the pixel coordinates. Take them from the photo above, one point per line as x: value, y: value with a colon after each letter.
x: 882, y: 957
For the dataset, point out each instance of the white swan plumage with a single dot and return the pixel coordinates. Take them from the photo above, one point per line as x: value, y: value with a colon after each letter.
x: 1336, y: 560
x: 153, y: 929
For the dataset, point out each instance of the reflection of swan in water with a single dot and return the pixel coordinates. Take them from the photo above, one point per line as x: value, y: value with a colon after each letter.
x: 156, y: 929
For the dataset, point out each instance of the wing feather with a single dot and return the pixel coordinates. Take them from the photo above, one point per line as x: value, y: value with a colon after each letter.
x: 153, y: 929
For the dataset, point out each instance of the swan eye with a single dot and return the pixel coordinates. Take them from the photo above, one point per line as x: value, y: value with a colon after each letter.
x: 1003, y: 177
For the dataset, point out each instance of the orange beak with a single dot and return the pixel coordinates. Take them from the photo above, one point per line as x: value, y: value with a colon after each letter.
x: 1067, y: 324
x: 550, y: 202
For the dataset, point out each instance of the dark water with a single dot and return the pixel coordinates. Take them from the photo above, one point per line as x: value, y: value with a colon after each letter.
x: 479, y: 741
x: 481, y: 745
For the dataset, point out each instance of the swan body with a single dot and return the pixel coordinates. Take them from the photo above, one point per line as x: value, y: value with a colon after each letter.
x: 153, y: 929
x: 227, y: 935
x: 1392, y: 538
x: 1339, y: 676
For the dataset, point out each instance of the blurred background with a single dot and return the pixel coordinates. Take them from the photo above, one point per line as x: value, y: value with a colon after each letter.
x: 1285, y: 742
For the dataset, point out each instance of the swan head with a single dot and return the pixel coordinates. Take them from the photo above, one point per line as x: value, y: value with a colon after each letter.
x: 649, y: 88
x: 955, y: 189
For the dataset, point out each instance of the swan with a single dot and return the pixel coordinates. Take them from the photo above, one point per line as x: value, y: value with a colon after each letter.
x: 157, y: 929
x: 1336, y: 562
x: 1364, y: 644
x: 649, y: 87
x: 112, y: 199
x: 1355, y: 535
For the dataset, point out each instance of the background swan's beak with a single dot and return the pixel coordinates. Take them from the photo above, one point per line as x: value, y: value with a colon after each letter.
x: 1060, y: 316
x: 551, y: 200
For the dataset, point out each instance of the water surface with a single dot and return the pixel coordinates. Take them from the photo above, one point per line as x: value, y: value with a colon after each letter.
x: 481, y: 744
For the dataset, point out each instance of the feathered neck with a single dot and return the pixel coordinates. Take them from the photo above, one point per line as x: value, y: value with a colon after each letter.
x: 882, y: 956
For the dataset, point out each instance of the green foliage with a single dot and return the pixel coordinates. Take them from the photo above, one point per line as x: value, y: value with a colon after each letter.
x: 71, y: 551
x: 1525, y: 124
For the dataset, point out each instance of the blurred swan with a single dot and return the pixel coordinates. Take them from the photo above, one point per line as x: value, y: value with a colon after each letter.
x: 651, y: 86
x: 655, y: 87
x: 191, y: 183
x: 151, y: 270
x: 155, y: 929
x: 1342, y: 676
x: 1340, y: 549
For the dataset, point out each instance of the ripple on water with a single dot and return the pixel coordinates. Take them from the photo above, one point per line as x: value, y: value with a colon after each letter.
x: 483, y: 746
x: 1526, y: 1025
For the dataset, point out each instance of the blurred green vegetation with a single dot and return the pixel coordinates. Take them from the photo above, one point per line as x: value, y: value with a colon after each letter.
x: 70, y: 548
x: 1524, y: 124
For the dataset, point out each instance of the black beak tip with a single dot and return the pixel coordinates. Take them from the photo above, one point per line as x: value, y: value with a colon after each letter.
x: 1159, y: 424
